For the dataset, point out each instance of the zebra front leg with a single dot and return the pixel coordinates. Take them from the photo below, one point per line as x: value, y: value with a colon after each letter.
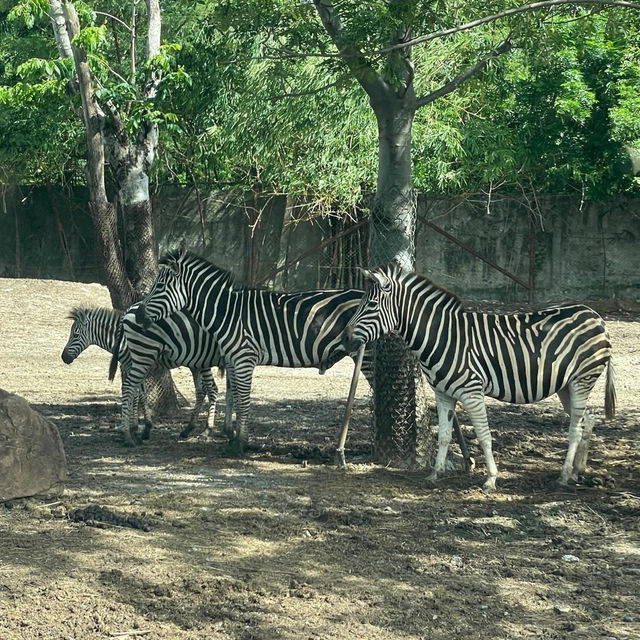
x: 228, y: 410
x: 129, y: 408
x: 474, y: 405
x: 446, y: 412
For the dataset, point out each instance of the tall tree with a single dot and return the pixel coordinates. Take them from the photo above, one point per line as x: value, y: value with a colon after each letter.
x: 125, y: 141
x: 387, y: 75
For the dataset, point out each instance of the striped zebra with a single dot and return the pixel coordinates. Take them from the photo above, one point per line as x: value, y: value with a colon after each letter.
x: 174, y: 342
x: 253, y: 327
x: 466, y: 356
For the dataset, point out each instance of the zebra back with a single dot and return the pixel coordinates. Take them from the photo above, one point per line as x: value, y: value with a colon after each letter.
x: 517, y: 358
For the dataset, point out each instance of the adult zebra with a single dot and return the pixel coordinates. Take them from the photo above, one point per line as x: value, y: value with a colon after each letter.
x: 518, y: 358
x: 174, y: 342
x: 253, y: 327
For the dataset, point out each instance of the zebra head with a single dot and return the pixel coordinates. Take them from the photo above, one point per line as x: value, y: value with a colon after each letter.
x: 169, y: 292
x: 376, y: 314
x: 80, y: 336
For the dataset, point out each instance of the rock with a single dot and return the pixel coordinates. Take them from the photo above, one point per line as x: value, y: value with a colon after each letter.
x: 568, y: 557
x: 32, y: 460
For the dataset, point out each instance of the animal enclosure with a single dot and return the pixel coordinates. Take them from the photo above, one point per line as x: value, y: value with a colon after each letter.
x: 280, y: 544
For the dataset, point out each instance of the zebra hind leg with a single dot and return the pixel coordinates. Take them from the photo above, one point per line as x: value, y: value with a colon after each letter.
x: 474, y: 405
x: 148, y: 422
x: 575, y: 395
x: 200, y: 395
x: 205, y: 387
x: 580, y: 460
x: 574, y: 400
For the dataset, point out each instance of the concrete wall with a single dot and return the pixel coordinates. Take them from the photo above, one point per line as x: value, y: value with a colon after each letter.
x: 582, y: 250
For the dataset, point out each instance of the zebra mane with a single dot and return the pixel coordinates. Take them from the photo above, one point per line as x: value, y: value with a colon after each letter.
x: 80, y: 314
x: 185, y: 256
x: 395, y: 272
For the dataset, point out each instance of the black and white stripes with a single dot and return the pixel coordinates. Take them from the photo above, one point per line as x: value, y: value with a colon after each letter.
x: 252, y: 327
x: 465, y: 356
x: 174, y: 342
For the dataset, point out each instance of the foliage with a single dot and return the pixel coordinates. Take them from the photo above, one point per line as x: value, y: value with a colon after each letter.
x: 559, y: 115
x: 253, y: 95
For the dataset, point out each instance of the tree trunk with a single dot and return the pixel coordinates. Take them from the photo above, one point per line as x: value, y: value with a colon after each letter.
x: 394, y: 206
x: 105, y: 224
x: 140, y: 258
x: 397, y: 374
x: 141, y: 262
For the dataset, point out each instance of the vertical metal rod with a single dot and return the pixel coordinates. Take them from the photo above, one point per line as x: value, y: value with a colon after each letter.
x: 340, y: 461
x: 532, y: 258
x: 469, y: 463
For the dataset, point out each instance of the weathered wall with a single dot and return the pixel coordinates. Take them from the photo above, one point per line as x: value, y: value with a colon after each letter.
x: 582, y: 250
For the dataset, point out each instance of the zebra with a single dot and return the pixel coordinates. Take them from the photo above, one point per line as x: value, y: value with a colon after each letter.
x: 176, y: 341
x: 519, y: 358
x: 253, y: 327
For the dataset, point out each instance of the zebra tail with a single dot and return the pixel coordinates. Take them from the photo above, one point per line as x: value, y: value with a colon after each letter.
x: 113, y: 365
x: 610, y: 394
x: 221, y: 371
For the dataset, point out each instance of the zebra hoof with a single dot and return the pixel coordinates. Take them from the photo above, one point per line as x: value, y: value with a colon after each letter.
x: 128, y: 441
x: 432, y: 479
x: 184, y: 434
x: 489, y: 486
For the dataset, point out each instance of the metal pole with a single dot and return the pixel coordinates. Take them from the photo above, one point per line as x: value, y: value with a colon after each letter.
x: 340, y: 461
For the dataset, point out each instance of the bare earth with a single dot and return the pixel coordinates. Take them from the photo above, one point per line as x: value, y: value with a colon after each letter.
x: 283, y: 545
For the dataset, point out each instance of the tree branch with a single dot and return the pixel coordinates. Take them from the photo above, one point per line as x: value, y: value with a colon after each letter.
x: 90, y: 113
x: 154, y: 23
x: 60, y: 33
x: 534, y: 6
x: 308, y: 92
x: 477, y: 68
x: 372, y: 82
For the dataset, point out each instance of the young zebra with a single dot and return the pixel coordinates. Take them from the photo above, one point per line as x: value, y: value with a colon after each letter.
x: 253, y: 327
x: 517, y: 358
x: 174, y: 342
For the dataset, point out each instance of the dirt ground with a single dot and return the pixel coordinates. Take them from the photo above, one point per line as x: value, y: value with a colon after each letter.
x: 281, y: 544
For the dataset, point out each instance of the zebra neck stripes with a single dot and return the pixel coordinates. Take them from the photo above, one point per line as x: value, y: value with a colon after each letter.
x: 91, y: 326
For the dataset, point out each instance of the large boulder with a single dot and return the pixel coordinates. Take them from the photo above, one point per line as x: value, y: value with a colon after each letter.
x: 32, y: 460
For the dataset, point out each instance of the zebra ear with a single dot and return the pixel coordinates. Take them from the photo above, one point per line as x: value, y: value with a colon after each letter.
x: 377, y: 277
x: 173, y: 266
x: 172, y: 260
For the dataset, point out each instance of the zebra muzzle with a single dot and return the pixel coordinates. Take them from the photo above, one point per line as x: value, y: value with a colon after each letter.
x: 141, y: 316
x: 67, y: 358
